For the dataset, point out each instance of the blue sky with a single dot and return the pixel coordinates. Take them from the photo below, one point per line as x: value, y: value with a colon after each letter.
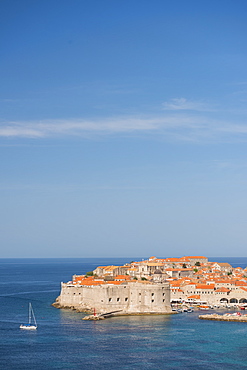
x: 123, y: 128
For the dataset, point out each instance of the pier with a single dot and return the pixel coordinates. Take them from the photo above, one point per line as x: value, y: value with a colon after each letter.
x: 236, y: 317
x: 100, y: 316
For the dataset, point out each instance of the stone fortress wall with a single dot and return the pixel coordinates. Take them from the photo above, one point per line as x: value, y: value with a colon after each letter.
x: 129, y: 298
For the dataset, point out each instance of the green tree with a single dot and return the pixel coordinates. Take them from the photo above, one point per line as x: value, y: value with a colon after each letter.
x: 89, y: 273
x: 197, y: 263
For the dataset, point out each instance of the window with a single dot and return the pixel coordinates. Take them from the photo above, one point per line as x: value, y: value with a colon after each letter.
x: 152, y: 300
x: 152, y: 294
x: 126, y: 299
x: 118, y: 299
x: 109, y: 299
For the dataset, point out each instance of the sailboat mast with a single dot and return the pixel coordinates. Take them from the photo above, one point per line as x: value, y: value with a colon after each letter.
x: 29, y: 314
x: 33, y: 316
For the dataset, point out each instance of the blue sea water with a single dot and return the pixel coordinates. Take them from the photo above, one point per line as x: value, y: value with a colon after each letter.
x: 64, y: 341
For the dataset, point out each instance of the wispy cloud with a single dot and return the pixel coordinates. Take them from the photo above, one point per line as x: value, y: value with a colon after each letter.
x: 46, y: 128
x: 117, y: 125
x: 184, y: 104
x: 176, y: 126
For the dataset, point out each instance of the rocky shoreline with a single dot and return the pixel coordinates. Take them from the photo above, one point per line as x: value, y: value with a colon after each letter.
x: 91, y: 316
x: 83, y: 308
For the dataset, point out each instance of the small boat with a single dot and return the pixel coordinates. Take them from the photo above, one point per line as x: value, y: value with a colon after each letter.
x: 190, y: 310
x: 203, y: 307
x: 31, y: 317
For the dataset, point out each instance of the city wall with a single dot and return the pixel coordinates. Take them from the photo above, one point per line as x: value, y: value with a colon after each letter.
x: 128, y: 298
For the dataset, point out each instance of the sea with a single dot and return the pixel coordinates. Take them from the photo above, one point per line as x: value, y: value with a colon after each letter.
x: 64, y: 341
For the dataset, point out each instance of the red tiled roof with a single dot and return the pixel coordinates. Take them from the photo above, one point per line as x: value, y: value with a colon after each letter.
x: 240, y: 283
x: 195, y: 296
x: 223, y: 289
x: 172, y: 260
x: 204, y: 286
x: 122, y: 277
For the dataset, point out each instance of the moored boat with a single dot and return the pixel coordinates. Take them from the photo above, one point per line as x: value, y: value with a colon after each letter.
x: 203, y: 307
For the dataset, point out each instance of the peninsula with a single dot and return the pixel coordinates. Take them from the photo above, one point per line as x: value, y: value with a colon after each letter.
x: 152, y: 286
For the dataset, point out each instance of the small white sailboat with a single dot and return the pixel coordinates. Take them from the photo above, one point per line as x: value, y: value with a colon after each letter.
x: 30, y: 325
